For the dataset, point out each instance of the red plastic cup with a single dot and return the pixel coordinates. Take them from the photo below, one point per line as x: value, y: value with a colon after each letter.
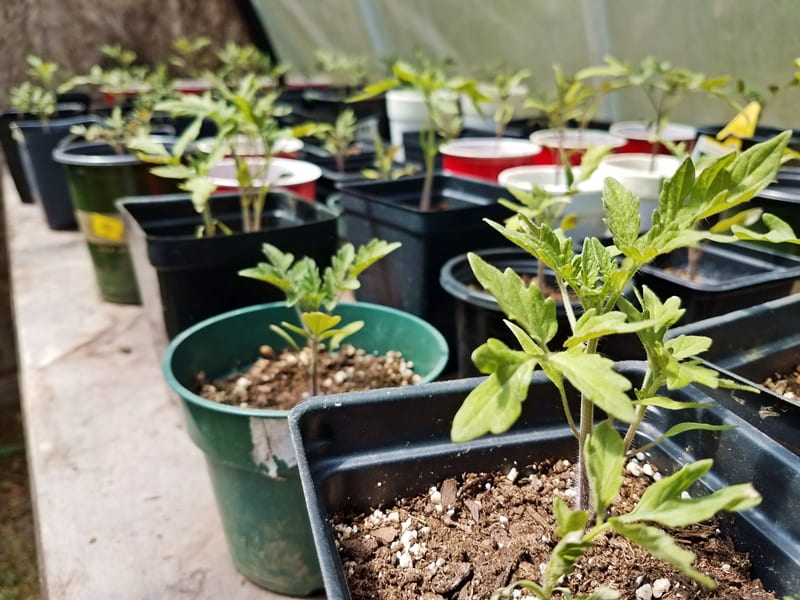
x: 192, y: 87
x: 637, y: 135
x: 114, y: 96
x: 574, y: 141
x: 486, y: 158
x: 296, y: 176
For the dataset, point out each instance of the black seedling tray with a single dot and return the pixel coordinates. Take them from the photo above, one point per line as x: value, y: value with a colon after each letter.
x: 731, y: 277
x: 360, y: 451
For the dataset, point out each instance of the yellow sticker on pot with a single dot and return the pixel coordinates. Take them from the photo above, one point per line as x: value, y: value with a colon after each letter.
x: 107, y: 227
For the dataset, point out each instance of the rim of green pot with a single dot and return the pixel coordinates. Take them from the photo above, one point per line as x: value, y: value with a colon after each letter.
x: 190, y: 396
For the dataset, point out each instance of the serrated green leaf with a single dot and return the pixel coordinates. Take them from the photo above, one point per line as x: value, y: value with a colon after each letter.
x: 268, y: 274
x: 622, y: 213
x: 187, y: 137
x: 778, y: 231
x: 201, y: 189
x: 688, y: 426
x: 662, y: 503
x: 524, y: 304
x: 371, y: 252
x: 592, y: 325
x: 661, y: 545
x: 494, y: 355
x: 495, y: 404
x: 594, y: 376
x: 173, y: 172
x: 680, y: 374
x: 756, y: 167
x: 674, y: 192
x: 669, y: 403
x: 568, y: 520
x: 686, y: 346
x: 562, y: 560
x: 605, y: 459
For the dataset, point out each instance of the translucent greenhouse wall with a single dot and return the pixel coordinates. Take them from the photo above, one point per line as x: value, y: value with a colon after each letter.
x: 753, y: 40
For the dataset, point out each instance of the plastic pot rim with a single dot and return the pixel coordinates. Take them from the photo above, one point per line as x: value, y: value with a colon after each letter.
x: 641, y: 131
x: 576, y: 139
x: 489, y: 148
x: 66, y: 153
x: 197, y: 400
x: 301, y: 172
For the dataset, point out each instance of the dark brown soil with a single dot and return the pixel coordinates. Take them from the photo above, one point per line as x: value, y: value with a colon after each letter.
x: 786, y: 385
x: 281, y: 381
x: 474, y: 535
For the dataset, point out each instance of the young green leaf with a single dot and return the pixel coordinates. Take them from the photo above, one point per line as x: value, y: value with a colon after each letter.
x: 568, y: 520
x: 605, y: 458
x: 495, y: 404
x: 622, y: 213
x: 594, y: 377
x: 661, y: 545
x: 523, y: 303
x: 662, y: 501
x: 778, y: 231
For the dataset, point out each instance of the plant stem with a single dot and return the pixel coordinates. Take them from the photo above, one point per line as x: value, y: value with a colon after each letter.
x: 581, y: 478
x: 340, y: 163
x: 429, y: 147
x: 208, y: 220
x: 258, y: 207
x: 245, y: 200
x: 314, y: 366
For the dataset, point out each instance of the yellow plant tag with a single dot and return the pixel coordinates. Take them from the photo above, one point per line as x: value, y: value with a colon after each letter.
x: 107, y: 227
x: 742, y: 125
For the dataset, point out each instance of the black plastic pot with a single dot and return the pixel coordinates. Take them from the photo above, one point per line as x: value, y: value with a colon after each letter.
x: 47, y: 177
x: 359, y: 451
x: 69, y: 106
x: 477, y: 315
x: 184, y: 279
x: 332, y: 177
x: 408, y: 278
x: 753, y: 344
x: 731, y: 277
x: 325, y: 105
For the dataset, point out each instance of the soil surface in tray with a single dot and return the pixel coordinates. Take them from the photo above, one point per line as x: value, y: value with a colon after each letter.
x: 469, y: 537
x: 279, y: 381
x: 787, y: 385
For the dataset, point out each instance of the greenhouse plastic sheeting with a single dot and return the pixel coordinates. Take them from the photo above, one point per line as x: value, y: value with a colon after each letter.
x: 754, y: 41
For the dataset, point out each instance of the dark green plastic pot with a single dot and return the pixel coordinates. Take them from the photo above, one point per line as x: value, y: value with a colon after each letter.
x: 96, y: 178
x: 248, y: 451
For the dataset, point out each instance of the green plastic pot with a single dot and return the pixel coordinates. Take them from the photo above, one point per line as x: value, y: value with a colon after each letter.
x: 248, y: 451
x: 96, y: 178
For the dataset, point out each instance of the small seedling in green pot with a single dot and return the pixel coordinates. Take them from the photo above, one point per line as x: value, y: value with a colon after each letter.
x: 316, y: 296
x: 597, y: 276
